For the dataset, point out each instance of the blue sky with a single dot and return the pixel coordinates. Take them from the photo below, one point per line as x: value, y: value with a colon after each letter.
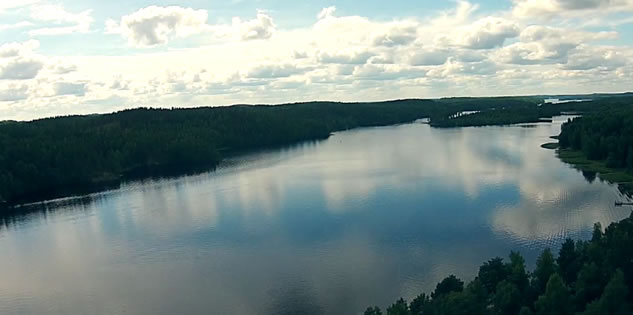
x: 71, y: 56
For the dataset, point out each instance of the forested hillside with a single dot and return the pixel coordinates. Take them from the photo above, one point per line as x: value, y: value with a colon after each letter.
x: 606, y: 135
x: 587, y: 277
x: 64, y: 155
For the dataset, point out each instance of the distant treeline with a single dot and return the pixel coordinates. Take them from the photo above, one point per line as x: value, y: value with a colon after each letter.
x: 526, y: 110
x: 588, y: 277
x: 606, y: 135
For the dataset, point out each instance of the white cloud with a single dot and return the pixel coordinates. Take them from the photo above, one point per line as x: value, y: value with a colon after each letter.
x: 155, y: 25
x: 489, y: 32
x: 19, y: 62
x: 397, y: 36
x: 428, y: 57
x: 262, y: 27
x: 386, y: 72
x: 13, y: 92
x: 56, y: 14
x: 551, y: 8
x: 546, y: 45
x: 20, y: 69
x: 534, y: 53
x: 69, y: 88
x: 274, y: 71
x: 15, y: 49
x: 341, y: 57
x: 587, y: 58
x: 23, y: 24
x: 326, y: 13
x: 13, y: 4
x: 61, y: 67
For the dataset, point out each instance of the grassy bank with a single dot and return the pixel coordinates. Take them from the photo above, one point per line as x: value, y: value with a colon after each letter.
x: 580, y: 162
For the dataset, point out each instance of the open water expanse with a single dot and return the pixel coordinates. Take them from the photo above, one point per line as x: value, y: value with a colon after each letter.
x: 327, y: 227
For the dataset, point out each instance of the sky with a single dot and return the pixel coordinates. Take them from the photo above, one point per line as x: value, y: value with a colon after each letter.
x: 78, y: 57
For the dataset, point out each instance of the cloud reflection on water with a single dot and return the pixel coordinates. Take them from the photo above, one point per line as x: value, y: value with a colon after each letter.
x: 332, y: 226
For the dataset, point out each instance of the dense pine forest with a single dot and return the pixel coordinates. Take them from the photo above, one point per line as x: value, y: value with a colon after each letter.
x: 63, y: 155
x: 587, y: 277
x: 606, y: 135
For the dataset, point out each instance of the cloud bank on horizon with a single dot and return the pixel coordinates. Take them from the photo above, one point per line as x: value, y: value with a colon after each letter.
x: 59, y: 58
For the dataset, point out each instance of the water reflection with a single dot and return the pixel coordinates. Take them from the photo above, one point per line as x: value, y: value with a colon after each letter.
x: 328, y: 227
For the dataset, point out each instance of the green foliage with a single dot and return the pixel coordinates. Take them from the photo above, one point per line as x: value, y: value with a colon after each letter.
x: 545, y: 268
x: 614, y: 299
x: 420, y: 304
x: 517, y: 273
x: 584, y: 290
x: 492, y: 272
x: 399, y: 308
x: 507, y: 298
x: 589, y: 284
x: 448, y: 285
x: 568, y: 262
x: 605, y: 135
x: 373, y: 311
x: 556, y: 300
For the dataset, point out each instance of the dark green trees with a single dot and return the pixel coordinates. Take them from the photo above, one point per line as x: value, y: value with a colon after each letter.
x: 587, y: 277
x: 605, y: 135
x: 614, y: 300
x: 545, y: 268
x: 556, y: 300
x: 448, y: 285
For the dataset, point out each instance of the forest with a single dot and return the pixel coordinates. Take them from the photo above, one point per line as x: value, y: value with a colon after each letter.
x: 527, y: 111
x: 65, y: 155
x: 606, y: 135
x: 586, y: 277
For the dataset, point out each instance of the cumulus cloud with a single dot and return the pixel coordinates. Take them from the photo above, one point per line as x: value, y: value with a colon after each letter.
x: 15, y: 49
x: 13, y: 92
x: 326, y: 12
x: 397, y: 36
x: 19, y: 62
x: 262, y: 27
x: 274, y: 71
x: 551, y: 8
x: 587, y: 58
x: 546, y: 45
x: 5, y: 27
x: 69, y: 88
x: 489, y: 32
x: 56, y: 14
x: 13, y: 4
x: 155, y: 25
x: 352, y: 58
x: 386, y: 73
x: 20, y: 69
x: 60, y: 68
x: 534, y: 53
x: 432, y: 57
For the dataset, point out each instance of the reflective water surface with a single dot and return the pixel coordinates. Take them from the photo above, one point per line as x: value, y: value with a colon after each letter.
x: 327, y: 227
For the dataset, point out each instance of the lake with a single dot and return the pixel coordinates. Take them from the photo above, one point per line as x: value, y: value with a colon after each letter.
x: 327, y: 227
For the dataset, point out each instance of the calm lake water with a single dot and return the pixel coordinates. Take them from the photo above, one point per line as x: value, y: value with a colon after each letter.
x: 326, y: 227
